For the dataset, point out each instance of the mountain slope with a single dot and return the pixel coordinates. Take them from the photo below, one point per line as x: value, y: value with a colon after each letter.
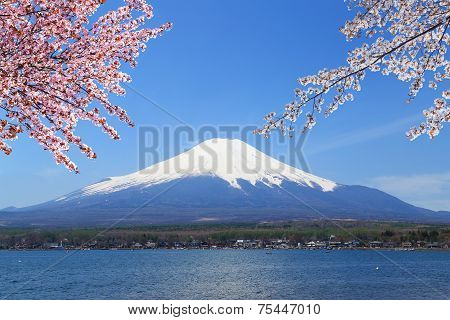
x: 218, y: 180
x: 229, y: 160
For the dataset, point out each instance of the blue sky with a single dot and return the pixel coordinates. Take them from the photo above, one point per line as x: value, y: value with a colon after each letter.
x: 231, y: 62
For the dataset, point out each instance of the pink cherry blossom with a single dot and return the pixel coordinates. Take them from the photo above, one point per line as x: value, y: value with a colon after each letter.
x: 407, y: 39
x: 57, y: 67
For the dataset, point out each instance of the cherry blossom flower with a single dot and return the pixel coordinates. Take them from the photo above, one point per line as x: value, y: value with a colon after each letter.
x: 407, y: 39
x: 57, y: 67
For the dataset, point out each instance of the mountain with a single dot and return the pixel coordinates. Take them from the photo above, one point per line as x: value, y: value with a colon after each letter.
x: 11, y: 208
x: 219, y: 180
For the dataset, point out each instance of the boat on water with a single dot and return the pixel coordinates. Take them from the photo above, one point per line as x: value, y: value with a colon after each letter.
x: 58, y: 246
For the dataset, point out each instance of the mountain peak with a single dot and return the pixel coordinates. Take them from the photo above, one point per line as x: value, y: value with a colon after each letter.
x: 231, y: 160
x: 223, y: 145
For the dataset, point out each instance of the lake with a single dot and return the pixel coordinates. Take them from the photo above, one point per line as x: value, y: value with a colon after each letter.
x: 225, y: 274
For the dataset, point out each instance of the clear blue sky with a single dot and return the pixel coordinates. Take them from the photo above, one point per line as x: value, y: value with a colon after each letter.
x: 231, y: 62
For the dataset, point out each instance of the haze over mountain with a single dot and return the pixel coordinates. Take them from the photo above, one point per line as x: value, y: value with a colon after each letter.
x: 219, y: 180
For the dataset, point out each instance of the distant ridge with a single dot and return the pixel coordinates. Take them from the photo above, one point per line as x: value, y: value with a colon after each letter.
x: 11, y: 208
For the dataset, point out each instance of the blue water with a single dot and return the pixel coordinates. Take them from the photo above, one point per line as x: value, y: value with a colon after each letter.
x: 224, y: 274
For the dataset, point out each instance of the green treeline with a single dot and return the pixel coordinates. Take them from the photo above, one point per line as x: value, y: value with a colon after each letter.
x: 293, y: 231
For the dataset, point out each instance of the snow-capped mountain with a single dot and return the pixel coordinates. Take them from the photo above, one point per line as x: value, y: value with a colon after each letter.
x: 219, y: 180
x: 226, y: 159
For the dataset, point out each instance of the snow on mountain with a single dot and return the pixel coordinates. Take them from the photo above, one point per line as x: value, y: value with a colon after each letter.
x: 231, y: 160
x: 219, y: 180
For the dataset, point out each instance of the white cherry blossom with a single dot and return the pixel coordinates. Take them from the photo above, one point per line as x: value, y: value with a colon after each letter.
x: 407, y: 39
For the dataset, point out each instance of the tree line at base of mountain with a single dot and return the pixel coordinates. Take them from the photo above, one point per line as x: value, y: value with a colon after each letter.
x: 364, y: 233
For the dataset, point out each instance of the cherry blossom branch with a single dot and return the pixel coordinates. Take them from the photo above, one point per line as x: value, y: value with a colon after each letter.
x: 411, y: 33
x: 54, y: 65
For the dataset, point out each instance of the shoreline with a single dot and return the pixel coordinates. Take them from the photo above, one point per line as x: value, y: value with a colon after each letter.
x: 316, y: 235
x: 235, y: 249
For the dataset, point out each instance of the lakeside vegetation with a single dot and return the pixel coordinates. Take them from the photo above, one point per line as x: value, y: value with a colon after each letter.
x: 290, y: 234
